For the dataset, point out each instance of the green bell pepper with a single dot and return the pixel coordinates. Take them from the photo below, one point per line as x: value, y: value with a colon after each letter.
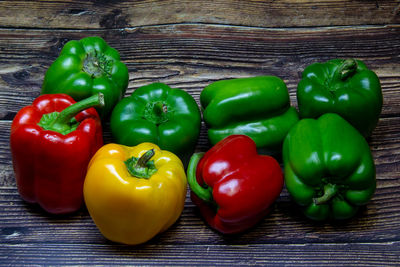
x: 158, y: 114
x: 258, y: 107
x: 329, y: 169
x: 85, y: 68
x: 346, y: 87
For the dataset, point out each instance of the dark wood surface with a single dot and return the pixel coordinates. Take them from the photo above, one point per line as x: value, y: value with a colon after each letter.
x: 189, y: 44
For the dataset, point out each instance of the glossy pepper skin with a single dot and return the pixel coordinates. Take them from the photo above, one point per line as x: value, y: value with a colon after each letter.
x: 134, y: 193
x: 51, y: 152
x: 329, y: 169
x: 158, y: 114
x: 346, y: 87
x: 232, y: 185
x: 258, y: 107
x: 87, y: 67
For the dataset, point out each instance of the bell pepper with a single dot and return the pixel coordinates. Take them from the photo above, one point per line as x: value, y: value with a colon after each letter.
x: 258, y: 107
x: 232, y: 185
x: 329, y: 169
x: 87, y: 67
x: 158, y: 114
x: 346, y: 87
x: 52, y: 142
x: 134, y: 193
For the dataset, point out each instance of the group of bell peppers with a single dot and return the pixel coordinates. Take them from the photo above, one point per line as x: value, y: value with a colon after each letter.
x: 136, y: 187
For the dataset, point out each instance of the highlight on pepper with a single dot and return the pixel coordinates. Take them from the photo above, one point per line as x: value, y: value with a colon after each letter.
x: 342, y: 86
x: 134, y: 193
x: 156, y: 113
x: 232, y: 185
x: 52, y: 142
x: 87, y: 67
x: 329, y: 179
x: 258, y: 107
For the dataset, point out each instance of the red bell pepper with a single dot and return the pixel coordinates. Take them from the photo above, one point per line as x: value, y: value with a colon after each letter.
x: 232, y: 185
x: 51, y: 143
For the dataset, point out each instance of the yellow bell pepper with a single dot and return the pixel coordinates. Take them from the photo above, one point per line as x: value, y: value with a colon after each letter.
x: 134, y: 193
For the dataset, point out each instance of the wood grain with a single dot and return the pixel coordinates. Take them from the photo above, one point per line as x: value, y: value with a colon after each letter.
x: 126, y: 14
x: 192, y: 56
x: 189, y: 44
x: 385, y: 254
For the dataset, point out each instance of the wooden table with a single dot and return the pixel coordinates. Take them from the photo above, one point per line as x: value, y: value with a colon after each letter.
x: 189, y: 44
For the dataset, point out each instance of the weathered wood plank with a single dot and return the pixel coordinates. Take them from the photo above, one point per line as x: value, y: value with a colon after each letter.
x: 385, y: 254
x: 192, y: 56
x: 122, y: 14
x: 22, y: 223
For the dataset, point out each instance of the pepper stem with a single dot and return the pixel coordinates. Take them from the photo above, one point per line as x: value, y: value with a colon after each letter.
x: 203, y: 193
x: 156, y: 112
x: 346, y: 69
x: 64, y: 122
x: 142, y: 167
x: 159, y: 108
x: 141, y: 163
x: 96, y: 64
x: 330, y: 191
x: 67, y: 114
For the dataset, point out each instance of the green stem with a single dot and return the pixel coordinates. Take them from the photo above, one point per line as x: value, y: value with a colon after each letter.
x: 330, y: 191
x: 203, y: 193
x: 159, y: 109
x: 64, y: 122
x: 141, y: 163
x: 64, y: 117
x: 347, y: 69
x: 156, y: 112
x: 142, y: 167
x: 96, y: 64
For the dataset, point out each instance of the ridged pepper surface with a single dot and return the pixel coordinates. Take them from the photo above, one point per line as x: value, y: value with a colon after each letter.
x: 328, y: 166
x: 158, y: 114
x: 134, y: 193
x: 346, y: 87
x: 258, y: 107
x: 87, y: 67
x: 52, y: 142
x: 232, y: 185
